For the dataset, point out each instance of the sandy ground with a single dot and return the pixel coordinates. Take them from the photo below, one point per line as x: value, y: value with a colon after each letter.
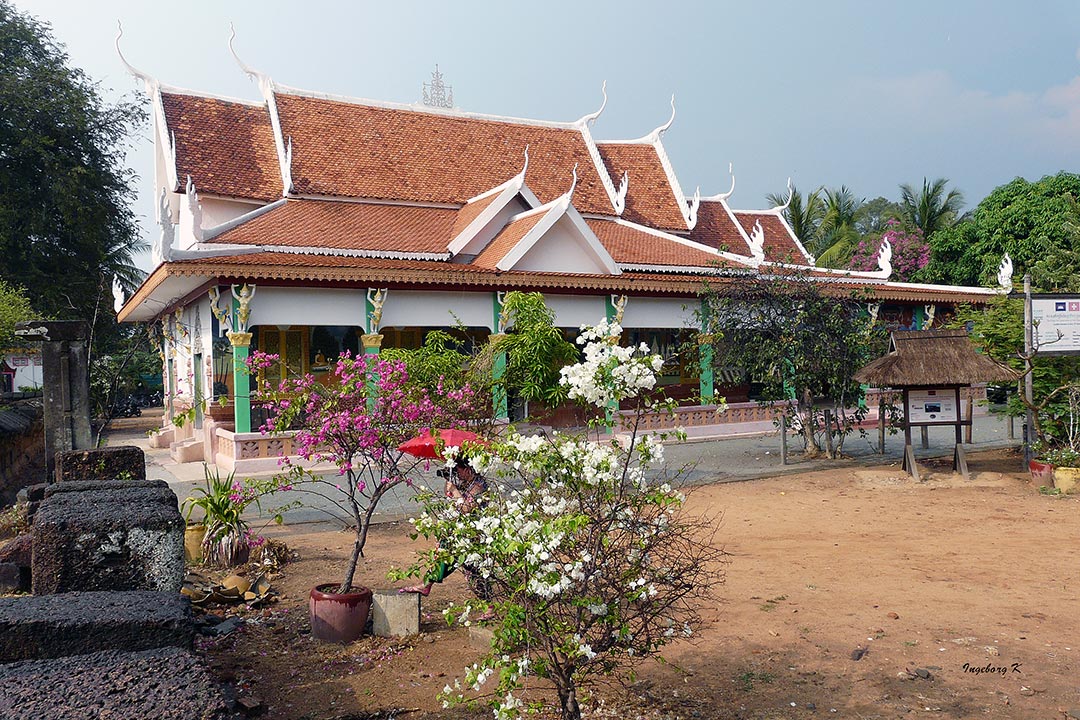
x: 958, y: 599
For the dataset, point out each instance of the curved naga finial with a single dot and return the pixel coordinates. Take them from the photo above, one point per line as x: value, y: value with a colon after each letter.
x: 691, y: 212
x: 757, y: 244
x: 265, y: 83
x: 725, y: 195
x: 884, y: 261
x: 790, y: 195
x: 148, y: 81
x: 664, y: 128
x: 591, y: 117
x: 573, y: 185
x: 1004, y: 275
x: 525, y: 167
x: 162, y: 252
x: 620, y: 194
x: 118, y: 295
x: 196, y: 210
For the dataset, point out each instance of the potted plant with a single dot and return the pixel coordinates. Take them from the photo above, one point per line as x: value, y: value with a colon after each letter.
x: 1066, y: 468
x: 356, y: 422
x: 225, y: 539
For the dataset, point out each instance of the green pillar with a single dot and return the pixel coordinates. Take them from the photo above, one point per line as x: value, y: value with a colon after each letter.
x: 498, y: 369
x: 918, y: 318
x: 241, y: 344
x: 706, y: 385
x: 371, y: 343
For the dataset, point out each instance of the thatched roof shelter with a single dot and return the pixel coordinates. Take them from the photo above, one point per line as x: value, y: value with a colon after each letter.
x: 932, y: 357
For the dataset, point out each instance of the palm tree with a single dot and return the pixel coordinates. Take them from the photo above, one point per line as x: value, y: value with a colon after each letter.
x: 932, y: 209
x: 837, y: 235
x: 803, y: 215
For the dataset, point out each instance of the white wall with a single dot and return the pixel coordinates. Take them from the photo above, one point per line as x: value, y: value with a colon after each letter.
x: 573, y: 311
x: 309, y: 306
x: 405, y: 308
x: 561, y: 249
x: 659, y: 313
x: 27, y: 367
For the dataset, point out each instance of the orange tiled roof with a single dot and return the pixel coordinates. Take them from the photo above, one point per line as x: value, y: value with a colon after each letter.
x: 716, y: 229
x: 226, y: 147
x: 631, y: 246
x: 348, y: 226
x: 779, y: 245
x: 470, y: 212
x: 650, y: 199
x: 354, y: 150
x: 507, y: 239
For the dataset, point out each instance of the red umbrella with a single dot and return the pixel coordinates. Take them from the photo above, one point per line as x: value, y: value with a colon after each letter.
x: 428, y: 446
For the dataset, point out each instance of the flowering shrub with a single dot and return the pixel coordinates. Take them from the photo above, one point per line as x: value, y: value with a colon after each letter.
x: 910, y: 252
x: 591, y: 559
x: 355, y: 422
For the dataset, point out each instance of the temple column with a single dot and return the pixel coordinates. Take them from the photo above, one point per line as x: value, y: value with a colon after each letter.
x: 706, y: 386
x: 917, y: 319
x: 499, y: 401
x: 241, y: 345
x: 371, y: 343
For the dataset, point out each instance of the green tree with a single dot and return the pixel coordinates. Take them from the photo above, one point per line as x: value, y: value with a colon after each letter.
x: 802, y: 346
x: 837, y: 235
x: 66, y: 227
x: 803, y: 214
x: 932, y: 208
x: 874, y: 215
x: 535, y: 350
x: 14, y: 307
x: 1036, y: 223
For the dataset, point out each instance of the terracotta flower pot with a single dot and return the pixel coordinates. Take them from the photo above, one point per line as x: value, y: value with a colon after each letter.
x: 1042, y: 473
x: 338, y: 618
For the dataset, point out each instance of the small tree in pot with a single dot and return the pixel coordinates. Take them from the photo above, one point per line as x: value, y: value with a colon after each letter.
x: 355, y: 421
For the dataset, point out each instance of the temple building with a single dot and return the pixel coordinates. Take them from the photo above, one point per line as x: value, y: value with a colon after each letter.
x: 308, y: 225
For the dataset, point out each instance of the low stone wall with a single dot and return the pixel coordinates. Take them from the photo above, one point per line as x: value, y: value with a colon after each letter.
x: 22, y: 448
x: 120, y: 462
x: 76, y: 623
x: 166, y: 684
x: 130, y: 538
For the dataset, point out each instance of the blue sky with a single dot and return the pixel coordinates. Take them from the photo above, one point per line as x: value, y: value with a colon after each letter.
x: 866, y: 94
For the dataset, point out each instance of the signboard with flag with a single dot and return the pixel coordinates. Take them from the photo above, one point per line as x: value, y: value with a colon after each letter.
x: 1057, y: 323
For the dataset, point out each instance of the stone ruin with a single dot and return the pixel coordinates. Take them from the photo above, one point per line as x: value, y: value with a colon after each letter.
x: 106, y: 632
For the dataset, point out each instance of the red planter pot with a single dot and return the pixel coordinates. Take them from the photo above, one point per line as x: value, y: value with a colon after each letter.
x: 338, y: 618
x: 1042, y: 473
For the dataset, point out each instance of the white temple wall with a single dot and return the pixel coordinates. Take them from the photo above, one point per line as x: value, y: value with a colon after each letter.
x: 410, y: 308
x: 561, y: 249
x: 573, y: 311
x: 660, y: 313
x: 309, y: 306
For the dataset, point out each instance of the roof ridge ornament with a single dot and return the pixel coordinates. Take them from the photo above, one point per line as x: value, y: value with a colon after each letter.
x: 620, y: 194
x: 149, y: 82
x: 525, y: 167
x: 724, y: 195
x: 790, y: 195
x: 591, y: 117
x: 163, y: 251
x: 438, y: 95
x: 266, y: 84
x: 692, y: 210
x: 664, y: 128
x: 757, y: 244
x: 573, y: 184
x: 196, y: 210
x: 884, y: 261
x: 1004, y: 274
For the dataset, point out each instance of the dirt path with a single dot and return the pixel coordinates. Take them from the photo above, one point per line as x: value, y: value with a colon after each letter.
x: 925, y: 584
